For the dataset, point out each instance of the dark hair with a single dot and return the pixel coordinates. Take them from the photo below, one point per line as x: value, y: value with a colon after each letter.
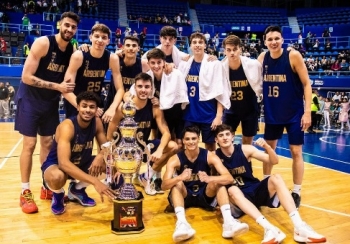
x: 168, y: 31
x: 132, y: 38
x: 143, y: 76
x: 101, y: 27
x: 199, y: 36
x: 70, y: 15
x: 88, y: 96
x: 232, y: 40
x: 272, y: 28
x: 221, y: 128
x: 191, y: 128
x: 155, y: 53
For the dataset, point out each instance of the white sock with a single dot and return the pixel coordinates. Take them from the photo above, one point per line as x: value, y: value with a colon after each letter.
x: 150, y: 173
x: 226, y: 213
x: 158, y: 174
x: 80, y: 185
x: 180, y: 214
x: 58, y: 191
x: 296, y: 219
x: 265, y: 176
x: 261, y: 220
x: 25, y: 186
x: 297, y: 189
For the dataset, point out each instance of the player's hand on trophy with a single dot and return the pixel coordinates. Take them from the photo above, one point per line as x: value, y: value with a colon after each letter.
x: 186, y: 174
x: 103, y: 189
x: 108, y: 115
x: 203, y: 177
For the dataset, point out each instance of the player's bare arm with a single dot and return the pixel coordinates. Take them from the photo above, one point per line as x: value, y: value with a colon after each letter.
x: 118, y: 84
x: 168, y: 180
x: 299, y: 67
x: 39, y: 49
x: 223, y: 177
x: 269, y: 156
x: 75, y: 63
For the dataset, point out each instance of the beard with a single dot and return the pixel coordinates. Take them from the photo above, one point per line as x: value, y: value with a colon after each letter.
x: 65, y: 38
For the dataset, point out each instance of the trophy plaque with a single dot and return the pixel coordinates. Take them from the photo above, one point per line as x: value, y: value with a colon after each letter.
x: 125, y: 156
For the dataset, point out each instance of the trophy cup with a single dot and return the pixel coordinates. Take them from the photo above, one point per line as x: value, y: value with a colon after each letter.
x: 126, y: 157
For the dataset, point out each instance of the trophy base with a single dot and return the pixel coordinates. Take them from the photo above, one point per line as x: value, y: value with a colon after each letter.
x: 127, y: 216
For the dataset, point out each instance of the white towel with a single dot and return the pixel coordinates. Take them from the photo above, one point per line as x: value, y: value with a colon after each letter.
x: 253, y: 71
x: 172, y: 91
x: 213, y: 82
x: 177, y: 55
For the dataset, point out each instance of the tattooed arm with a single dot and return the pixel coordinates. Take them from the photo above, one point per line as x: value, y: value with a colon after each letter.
x: 39, y: 50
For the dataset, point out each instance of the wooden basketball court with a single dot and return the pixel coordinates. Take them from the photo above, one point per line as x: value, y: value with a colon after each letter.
x: 325, y: 206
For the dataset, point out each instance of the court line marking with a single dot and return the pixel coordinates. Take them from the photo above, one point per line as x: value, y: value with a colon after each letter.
x: 314, y: 155
x: 326, y: 210
x: 323, y: 139
x: 10, y: 153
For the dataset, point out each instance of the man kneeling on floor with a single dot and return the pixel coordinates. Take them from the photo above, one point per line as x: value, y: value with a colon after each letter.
x: 71, y: 156
x: 188, y: 176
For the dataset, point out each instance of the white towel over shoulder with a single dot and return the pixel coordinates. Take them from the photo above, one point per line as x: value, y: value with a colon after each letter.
x: 172, y: 91
x: 213, y: 82
x: 253, y: 71
x: 177, y: 55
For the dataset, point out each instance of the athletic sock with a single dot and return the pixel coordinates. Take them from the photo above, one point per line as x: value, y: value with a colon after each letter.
x: 261, y: 220
x: 25, y: 186
x: 226, y: 213
x: 80, y: 185
x: 158, y: 174
x: 58, y: 191
x: 180, y: 214
x: 296, y: 219
x: 297, y: 189
x: 265, y: 176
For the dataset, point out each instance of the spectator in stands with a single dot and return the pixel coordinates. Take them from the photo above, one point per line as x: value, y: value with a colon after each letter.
x: 310, y: 59
x: 344, y: 113
x: 317, y: 63
x: 79, y: 5
x: 26, y: 49
x: 207, y: 36
x: 308, y: 42
x: 343, y: 95
x: 302, y: 50
x: 326, y: 33
x: 127, y: 31
x: 134, y: 34
x: 344, y: 66
x: 316, y: 45
x: 95, y: 7
x: 25, y: 22
x: 335, y: 66
x: 3, y: 47
x: 336, y: 97
x: 300, y: 39
x: 142, y: 38
x: 324, y: 63
x: 118, y: 34
x: 328, y: 45
x: 4, y: 104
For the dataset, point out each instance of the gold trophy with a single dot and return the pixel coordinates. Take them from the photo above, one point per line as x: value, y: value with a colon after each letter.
x: 125, y: 155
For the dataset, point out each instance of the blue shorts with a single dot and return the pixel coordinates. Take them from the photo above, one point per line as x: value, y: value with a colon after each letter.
x: 200, y: 200
x: 295, y: 134
x: 34, y: 118
x: 208, y: 136
x: 259, y: 195
x: 173, y: 117
x: 83, y: 166
x: 249, y: 123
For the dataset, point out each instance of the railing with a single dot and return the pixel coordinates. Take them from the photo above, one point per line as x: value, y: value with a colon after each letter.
x: 9, y: 61
x: 38, y: 29
x: 325, y: 73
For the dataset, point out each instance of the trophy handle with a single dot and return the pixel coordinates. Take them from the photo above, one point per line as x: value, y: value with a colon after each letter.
x: 117, y: 136
x: 146, y: 149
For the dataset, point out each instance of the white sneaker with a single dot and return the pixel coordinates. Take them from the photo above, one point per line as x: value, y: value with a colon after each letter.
x: 148, y: 184
x: 304, y: 233
x: 183, y: 231
x: 234, y: 228
x: 273, y: 235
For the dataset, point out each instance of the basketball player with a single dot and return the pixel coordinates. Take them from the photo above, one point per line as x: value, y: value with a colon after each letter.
x: 145, y: 112
x: 188, y: 176
x: 71, y: 156
x: 250, y: 193
x: 130, y: 66
x: 285, y: 87
x: 245, y: 78
x: 38, y: 99
x: 88, y: 71
x: 208, y: 91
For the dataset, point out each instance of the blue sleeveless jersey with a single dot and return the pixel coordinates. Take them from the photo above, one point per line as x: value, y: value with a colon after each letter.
x: 128, y: 74
x: 51, y: 68
x: 90, y: 77
x: 198, y: 111
x: 243, y: 98
x: 283, y: 91
x: 238, y: 166
x: 200, y: 164
x: 169, y: 59
x: 143, y: 118
x: 81, y: 144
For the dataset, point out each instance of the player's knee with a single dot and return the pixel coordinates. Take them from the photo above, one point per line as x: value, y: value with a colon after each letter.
x: 46, y: 142
x: 233, y: 192
x: 55, y: 179
x: 276, y: 179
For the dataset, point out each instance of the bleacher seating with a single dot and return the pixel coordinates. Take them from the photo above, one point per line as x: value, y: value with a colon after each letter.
x: 324, y: 17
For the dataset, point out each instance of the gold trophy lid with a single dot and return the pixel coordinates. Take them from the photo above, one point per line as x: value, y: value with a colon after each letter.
x: 129, y: 109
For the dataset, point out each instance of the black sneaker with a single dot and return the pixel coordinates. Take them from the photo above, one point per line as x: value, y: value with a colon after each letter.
x: 296, y: 199
x: 158, y: 185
